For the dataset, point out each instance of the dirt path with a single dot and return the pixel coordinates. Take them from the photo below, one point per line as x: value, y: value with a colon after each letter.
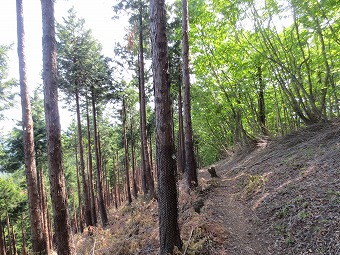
x: 245, y: 233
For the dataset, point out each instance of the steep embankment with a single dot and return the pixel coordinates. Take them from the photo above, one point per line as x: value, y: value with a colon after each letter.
x: 282, y: 198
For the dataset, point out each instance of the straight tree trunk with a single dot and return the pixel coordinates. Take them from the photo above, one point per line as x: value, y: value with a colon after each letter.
x: 142, y: 171
x: 169, y: 233
x: 14, y: 242
x: 2, y: 241
x: 104, y: 176
x: 64, y: 239
x: 190, y: 162
x: 50, y: 234
x: 3, y: 233
x: 39, y: 243
x: 133, y: 158
x: 44, y: 208
x: 88, y: 216
x: 9, y: 236
x: 108, y: 193
x: 151, y: 159
x: 126, y: 156
x: 100, y: 195
x: 23, y: 238
x: 80, y: 205
x: 261, y: 102
x: 138, y: 176
x: 181, y: 150
x: 75, y: 220
x: 118, y: 182
x: 90, y: 168
x: 115, y: 184
x: 124, y: 197
x: 102, y: 167
x: 150, y: 187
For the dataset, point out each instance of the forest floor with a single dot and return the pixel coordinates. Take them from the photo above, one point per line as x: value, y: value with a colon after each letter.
x: 281, y: 198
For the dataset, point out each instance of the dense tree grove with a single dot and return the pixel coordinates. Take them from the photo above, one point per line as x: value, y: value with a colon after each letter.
x: 261, y: 69
x: 193, y: 82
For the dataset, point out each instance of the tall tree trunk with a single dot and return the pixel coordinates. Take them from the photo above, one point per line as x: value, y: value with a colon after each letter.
x: 118, y: 182
x: 75, y: 220
x: 62, y: 225
x: 39, y: 243
x: 115, y: 184
x: 190, y: 162
x: 261, y: 102
x: 124, y: 197
x: 169, y: 233
x: 80, y: 205
x: 2, y: 240
x: 142, y: 171
x: 3, y: 234
x: 14, y: 242
x: 9, y: 236
x: 150, y: 156
x: 144, y: 138
x: 181, y: 150
x: 23, y: 238
x: 50, y: 234
x: 133, y: 158
x: 44, y: 208
x: 100, y: 195
x: 102, y: 167
x: 108, y: 193
x: 126, y: 156
x: 90, y: 168
x: 88, y: 216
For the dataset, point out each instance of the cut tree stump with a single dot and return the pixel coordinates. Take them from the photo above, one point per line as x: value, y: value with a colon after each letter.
x: 212, y: 172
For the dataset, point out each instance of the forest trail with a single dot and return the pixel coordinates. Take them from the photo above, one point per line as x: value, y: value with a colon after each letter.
x: 282, y: 198
x: 243, y: 227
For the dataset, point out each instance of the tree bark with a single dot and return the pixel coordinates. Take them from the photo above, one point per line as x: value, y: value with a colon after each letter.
x: 64, y: 239
x: 261, y: 102
x: 23, y: 238
x: 153, y: 177
x: 115, y: 184
x: 150, y: 188
x: 80, y: 205
x: 181, y: 150
x: 169, y: 233
x: 190, y: 162
x: 50, y: 232
x: 39, y: 243
x: 100, y: 195
x: 133, y: 158
x: 90, y: 168
x: 74, y: 224
x: 118, y: 182
x: 14, y: 242
x: 126, y: 156
x: 9, y: 236
x: 2, y: 241
x: 44, y: 208
x: 88, y: 216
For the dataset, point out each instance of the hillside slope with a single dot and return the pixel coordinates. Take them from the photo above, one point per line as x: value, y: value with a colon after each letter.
x: 286, y: 194
x: 282, y: 198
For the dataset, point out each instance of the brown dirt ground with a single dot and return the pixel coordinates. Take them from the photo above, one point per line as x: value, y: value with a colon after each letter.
x: 282, y: 198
